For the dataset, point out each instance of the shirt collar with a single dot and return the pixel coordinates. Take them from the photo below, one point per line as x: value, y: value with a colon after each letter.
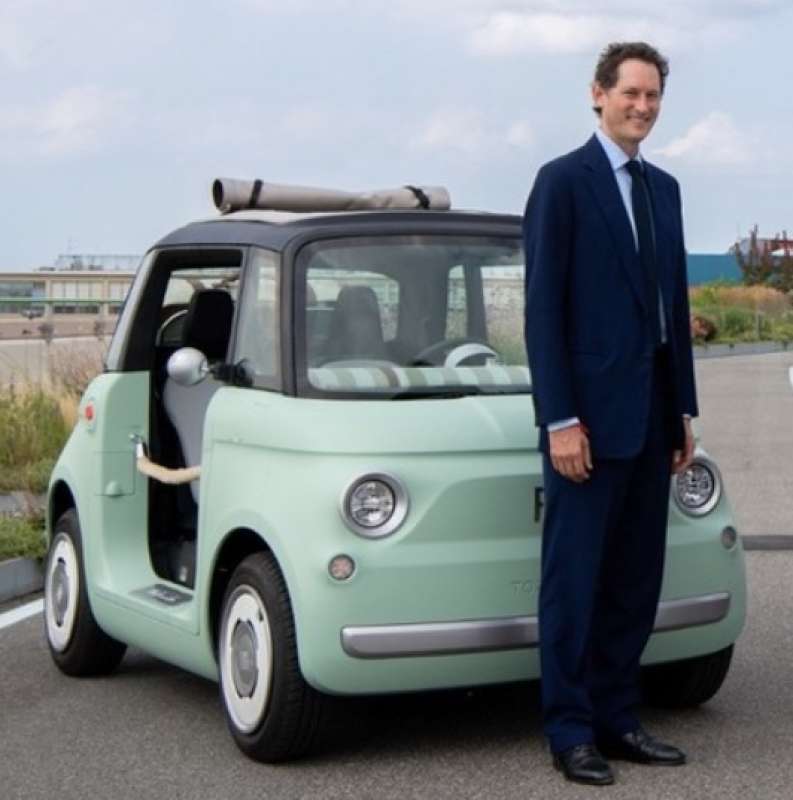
x: 616, y: 155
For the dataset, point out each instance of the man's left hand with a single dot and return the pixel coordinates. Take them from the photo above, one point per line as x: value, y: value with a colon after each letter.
x: 682, y: 458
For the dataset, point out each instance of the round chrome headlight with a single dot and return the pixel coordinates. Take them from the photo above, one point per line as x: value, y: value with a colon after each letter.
x: 374, y: 505
x: 697, y: 489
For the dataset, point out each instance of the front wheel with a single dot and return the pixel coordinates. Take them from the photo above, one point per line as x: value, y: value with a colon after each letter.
x: 78, y: 645
x: 272, y: 713
x: 684, y: 684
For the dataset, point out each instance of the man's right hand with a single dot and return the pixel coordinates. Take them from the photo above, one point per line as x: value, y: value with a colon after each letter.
x: 570, y: 454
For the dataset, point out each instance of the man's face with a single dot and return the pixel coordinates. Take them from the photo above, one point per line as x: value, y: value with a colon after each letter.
x: 630, y: 107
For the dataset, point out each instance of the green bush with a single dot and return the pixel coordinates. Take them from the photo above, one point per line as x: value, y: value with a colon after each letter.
x: 21, y: 537
x: 736, y: 323
x: 32, y: 429
x: 32, y: 477
x: 782, y: 331
x: 706, y: 297
x: 743, y: 313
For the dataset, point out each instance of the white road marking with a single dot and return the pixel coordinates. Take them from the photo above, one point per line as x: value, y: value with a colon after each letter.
x: 790, y: 375
x: 23, y: 612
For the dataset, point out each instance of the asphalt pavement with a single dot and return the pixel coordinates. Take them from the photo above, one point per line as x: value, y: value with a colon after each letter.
x: 746, y: 422
x: 153, y: 731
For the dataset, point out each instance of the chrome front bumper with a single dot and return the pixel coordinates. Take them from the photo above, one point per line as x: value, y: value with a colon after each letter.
x: 506, y: 633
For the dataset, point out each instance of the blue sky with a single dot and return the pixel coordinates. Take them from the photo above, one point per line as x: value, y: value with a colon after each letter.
x: 115, y: 117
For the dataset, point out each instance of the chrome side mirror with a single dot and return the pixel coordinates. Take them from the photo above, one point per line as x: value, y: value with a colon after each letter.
x: 187, y: 366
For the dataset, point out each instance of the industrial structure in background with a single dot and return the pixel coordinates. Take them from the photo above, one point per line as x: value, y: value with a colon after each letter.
x: 81, y: 294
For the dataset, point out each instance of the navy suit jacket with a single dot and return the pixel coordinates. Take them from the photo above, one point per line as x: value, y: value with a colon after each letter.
x: 587, y: 326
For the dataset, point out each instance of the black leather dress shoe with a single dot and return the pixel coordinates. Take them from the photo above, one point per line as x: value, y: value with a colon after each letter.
x: 583, y: 764
x: 642, y: 748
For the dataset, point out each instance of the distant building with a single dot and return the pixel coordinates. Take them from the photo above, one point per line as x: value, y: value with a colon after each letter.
x: 65, y: 291
x: 96, y: 261
x: 707, y: 267
x: 776, y: 245
x: 61, y: 302
x: 97, y: 284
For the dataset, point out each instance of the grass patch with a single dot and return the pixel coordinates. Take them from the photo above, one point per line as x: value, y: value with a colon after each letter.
x: 33, y: 429
x: 31, y: 477
x: 725, y: 295
x: 744, y: 313
x: 36, y: 419
x: 21, y: 537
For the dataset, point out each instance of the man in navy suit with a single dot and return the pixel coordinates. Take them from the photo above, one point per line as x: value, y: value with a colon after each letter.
x: 609, y: 346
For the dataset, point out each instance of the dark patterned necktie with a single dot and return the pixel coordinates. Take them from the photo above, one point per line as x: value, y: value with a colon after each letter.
x: 645, y: 233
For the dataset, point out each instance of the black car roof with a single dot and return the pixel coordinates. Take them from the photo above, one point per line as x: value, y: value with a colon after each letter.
x: 275, y: 231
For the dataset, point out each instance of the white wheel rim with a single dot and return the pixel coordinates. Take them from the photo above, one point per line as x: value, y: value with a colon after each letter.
x: 61, y: 592
x: 246, y: 658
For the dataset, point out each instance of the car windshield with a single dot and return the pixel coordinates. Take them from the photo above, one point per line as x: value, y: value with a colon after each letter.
x: 403, y: 317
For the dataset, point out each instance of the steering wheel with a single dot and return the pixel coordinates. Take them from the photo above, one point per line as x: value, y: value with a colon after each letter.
x: 170, y: 332
x: 453, y: 353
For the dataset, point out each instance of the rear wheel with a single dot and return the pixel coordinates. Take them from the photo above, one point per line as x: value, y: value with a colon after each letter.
x: 78, y: 645
x: 682, y: 684
x: 272, y: 713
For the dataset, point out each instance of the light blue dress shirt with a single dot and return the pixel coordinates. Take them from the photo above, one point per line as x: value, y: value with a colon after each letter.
x: 618, y: 159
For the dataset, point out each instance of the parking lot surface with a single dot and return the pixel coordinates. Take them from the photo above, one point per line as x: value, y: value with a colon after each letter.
x: 746, y: 421
x: 153, y: 731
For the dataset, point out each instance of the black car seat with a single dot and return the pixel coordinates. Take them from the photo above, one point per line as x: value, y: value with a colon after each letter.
x: 207, y: 327
x: 356, y: 329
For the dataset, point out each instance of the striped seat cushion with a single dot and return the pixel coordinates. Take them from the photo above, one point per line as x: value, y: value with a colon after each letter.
x: 384, y: 377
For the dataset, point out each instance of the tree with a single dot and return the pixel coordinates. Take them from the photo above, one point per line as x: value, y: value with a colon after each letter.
x: 759, y: 265
x: 756, y: 262
x: 784, y: 265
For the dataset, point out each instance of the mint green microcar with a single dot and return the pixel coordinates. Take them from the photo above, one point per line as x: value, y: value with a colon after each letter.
x: 310, y: 468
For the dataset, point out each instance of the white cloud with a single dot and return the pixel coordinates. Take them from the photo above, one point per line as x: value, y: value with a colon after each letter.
x: 714, y: 140
x: 497, y: 28
x: 464, y: 131
x: 505, y: 33
x: 520, y: 134
x: 452, y: 129
x: 78, y: 120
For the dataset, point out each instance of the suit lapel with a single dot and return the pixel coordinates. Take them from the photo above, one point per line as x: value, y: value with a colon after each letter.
x: 603, y: 184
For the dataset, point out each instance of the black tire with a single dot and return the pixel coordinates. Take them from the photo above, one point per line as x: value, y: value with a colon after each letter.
x: 272, y: 713
x: 77, y: 644
x: 684, y: 684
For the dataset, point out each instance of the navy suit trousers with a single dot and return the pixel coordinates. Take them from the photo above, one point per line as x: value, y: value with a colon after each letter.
x: 602, y: 564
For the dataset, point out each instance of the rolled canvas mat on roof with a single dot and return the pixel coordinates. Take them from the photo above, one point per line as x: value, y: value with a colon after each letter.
x: 231, y: 194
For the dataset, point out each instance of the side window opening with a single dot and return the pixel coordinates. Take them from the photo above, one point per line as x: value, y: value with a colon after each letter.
x: 258, y: 345
x: 190, y: 301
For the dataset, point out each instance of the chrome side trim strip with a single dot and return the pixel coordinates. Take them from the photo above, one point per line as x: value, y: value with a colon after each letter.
x: 506, y: 633
x: 439, y: 638
x: 690, y: 611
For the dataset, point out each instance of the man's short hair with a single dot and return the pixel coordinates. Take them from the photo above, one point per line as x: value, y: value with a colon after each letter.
x: 607, y: 69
